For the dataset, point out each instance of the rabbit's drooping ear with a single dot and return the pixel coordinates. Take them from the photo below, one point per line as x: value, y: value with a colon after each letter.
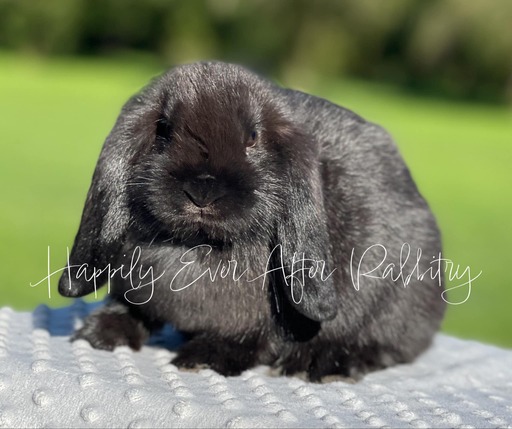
x: 106, y: 213
x: 303, y: 249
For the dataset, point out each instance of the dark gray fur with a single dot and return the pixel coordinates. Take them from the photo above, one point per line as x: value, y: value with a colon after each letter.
x: 210, y: 153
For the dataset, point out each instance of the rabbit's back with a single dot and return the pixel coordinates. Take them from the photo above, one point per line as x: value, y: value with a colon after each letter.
x: 382, y: 234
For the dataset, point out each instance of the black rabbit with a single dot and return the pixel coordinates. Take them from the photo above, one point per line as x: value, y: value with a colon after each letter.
x: 268, y: 225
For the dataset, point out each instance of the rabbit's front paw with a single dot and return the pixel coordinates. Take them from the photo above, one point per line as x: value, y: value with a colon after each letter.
x: 109, y: 328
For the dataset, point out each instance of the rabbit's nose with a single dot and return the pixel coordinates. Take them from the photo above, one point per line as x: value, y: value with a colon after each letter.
x: 203, y: 192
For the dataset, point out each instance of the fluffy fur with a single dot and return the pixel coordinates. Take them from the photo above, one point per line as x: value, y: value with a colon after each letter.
x: 211, y: 163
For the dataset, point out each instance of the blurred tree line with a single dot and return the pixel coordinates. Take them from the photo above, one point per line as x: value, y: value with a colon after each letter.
x: 455, y: 47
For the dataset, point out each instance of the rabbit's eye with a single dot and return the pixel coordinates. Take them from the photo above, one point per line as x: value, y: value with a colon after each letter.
x: 253, y: 138
x: 164, y: 130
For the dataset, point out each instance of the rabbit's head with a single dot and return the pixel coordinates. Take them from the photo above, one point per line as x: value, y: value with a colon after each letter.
x: 215, y: 164
x: 208, y: 152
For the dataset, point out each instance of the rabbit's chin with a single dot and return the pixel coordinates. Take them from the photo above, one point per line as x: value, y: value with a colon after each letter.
x: 223, y: 222
x: 203, y: 214
x: 202, y: 227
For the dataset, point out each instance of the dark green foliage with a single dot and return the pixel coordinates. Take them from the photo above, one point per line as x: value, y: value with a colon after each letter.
x: 454, y: 47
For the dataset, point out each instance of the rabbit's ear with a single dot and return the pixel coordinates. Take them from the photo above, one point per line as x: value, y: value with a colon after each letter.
x: 106, y: 214
x: 301, y: 252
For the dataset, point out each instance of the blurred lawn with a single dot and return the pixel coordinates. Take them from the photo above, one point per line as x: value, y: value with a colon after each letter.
x: 56, y: 114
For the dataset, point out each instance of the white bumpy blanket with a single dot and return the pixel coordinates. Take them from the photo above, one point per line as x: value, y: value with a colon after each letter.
x: 47, y: 381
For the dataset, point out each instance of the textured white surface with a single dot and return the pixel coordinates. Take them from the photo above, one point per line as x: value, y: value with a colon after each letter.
x: 46, y: 381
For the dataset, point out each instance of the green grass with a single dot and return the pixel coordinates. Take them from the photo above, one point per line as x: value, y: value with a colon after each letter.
x: 56, y: 114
